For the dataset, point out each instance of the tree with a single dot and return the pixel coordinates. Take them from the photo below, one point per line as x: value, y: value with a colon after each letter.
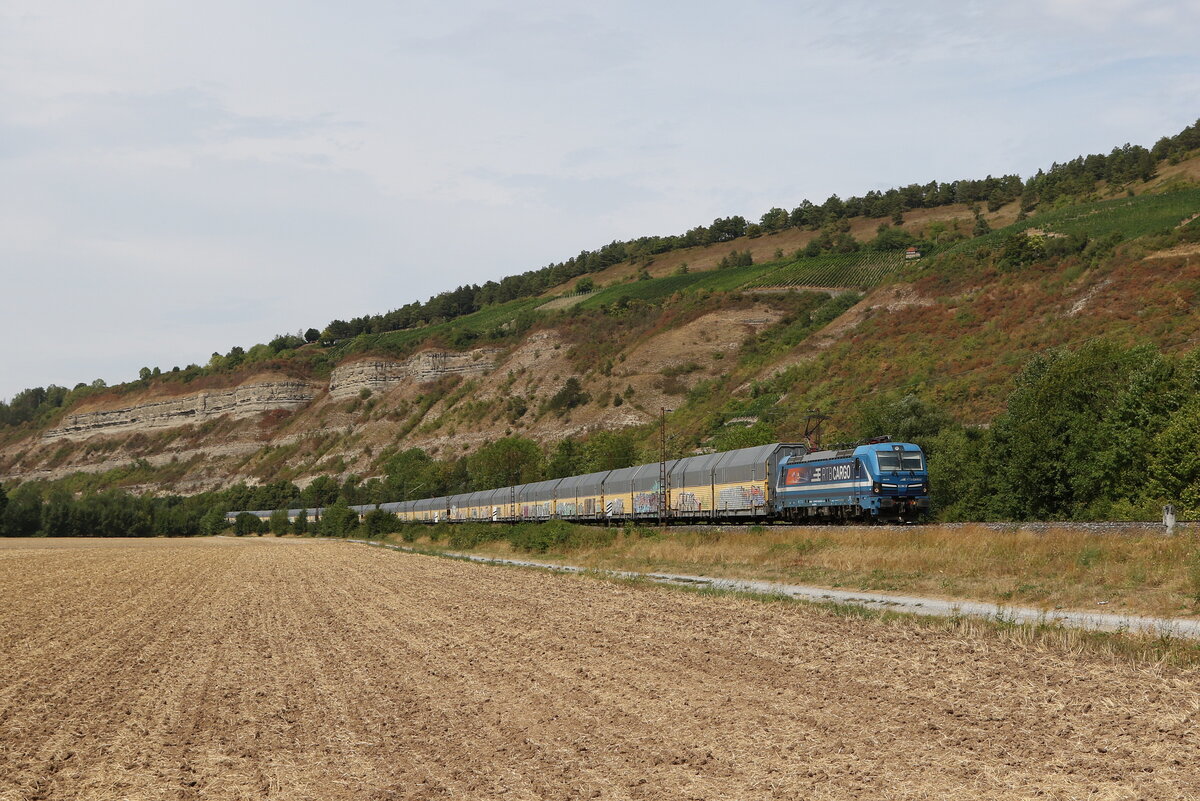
x: 337, y: 329
x: 960, y: 474
x: 246, y: 523
x: 312, y: 335
x: 724, y: 229
x: 300, y: 524
x: 351, y: 492
x: 888, y: 238
x: 905, y: 419
x: 339, y: 520
x: 279, y: 522
x: 23, y: 511
x: 609, y: 450
x: 732, y: 437
x: 145, y: 373
x: 283, y: 342
x: 567, y: 459
x: 56, y: 514
x: 505, y: 462
x: 570, y: 396
x: 213, y: 521
x: 1021, y: 249
x: 276, y: 495
x: 774, y: 220
x: 408, y: 475
x: 736, y: 258
x: 321, y: 492
x: 1175, y: 466
x: 377, y: 523
x: 585, y: 285
x: 1047, y: 435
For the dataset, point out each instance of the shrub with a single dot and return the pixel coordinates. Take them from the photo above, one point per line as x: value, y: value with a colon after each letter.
x: 377, y: 522
x: 279, y: 522
x: 469, y: 535
x: 246, y: 523
x: 540, y: 537
x: 570, y: 396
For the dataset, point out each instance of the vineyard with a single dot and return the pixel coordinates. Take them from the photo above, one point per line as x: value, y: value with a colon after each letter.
x: 1126, y: 218
x: 858, y: 270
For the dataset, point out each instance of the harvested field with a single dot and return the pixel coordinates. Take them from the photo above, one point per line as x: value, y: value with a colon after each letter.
x: 224, y: 668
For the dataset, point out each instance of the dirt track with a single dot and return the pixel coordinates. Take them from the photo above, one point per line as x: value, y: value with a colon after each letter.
x: 223, y: 669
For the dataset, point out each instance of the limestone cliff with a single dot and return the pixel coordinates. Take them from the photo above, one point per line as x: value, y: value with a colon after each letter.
x: 242, y: 401
x: 349, y: 379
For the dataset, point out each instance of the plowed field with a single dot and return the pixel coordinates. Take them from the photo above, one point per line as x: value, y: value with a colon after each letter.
x: 228, y: 669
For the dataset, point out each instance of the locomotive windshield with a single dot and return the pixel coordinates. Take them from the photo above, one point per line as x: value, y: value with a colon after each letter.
x: 895, y: 461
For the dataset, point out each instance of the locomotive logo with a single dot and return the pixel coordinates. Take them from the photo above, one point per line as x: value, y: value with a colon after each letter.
x: 796, y: 476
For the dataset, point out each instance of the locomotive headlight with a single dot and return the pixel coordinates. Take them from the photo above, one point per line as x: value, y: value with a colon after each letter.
x: 876, y: 487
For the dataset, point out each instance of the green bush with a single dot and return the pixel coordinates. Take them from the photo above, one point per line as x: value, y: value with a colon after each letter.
x: 377, y: 523
x: 246, y: 523
x: 557, y: 535
x: 279, y: 522
x: 469, y: 535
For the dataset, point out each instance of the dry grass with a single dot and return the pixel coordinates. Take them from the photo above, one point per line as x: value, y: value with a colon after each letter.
x: 1133, y: 573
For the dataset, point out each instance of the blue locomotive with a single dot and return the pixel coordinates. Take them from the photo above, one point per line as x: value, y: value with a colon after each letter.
x: 878, y: 480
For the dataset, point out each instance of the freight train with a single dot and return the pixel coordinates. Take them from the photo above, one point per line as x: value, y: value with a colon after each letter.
x: 874, y: 481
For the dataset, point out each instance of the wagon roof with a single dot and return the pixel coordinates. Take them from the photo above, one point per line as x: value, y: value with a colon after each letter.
x: 572, y: 483
x: 747, y: 456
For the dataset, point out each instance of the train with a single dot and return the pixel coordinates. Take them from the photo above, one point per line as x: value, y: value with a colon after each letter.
x: 873, y: 481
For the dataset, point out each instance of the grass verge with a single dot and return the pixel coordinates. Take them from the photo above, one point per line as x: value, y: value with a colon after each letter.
x: 1141, y: 573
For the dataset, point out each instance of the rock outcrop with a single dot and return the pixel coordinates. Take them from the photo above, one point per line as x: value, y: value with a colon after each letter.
x: 244, y: 401
x: 348, y: 380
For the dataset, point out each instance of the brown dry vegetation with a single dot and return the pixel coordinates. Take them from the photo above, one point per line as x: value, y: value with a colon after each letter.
x: 306, y: 670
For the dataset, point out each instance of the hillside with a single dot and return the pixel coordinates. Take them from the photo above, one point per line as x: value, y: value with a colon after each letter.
x: 739, y: 352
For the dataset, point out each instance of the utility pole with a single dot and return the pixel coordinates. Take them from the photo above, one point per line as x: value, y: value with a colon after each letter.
x: 664, y: 496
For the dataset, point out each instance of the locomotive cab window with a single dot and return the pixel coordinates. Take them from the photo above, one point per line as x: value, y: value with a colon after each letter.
x: 895, y: 461
x: 889, y: 461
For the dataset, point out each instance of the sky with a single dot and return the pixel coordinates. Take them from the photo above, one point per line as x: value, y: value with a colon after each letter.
x: 179, y: 178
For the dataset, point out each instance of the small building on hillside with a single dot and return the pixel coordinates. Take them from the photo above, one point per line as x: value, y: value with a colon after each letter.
x: 912, y: 253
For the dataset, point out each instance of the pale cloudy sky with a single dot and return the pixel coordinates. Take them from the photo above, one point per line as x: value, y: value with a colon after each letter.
x: 178, y: 178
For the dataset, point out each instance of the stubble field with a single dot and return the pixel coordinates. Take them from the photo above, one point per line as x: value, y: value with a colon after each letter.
x: 226, y: 669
